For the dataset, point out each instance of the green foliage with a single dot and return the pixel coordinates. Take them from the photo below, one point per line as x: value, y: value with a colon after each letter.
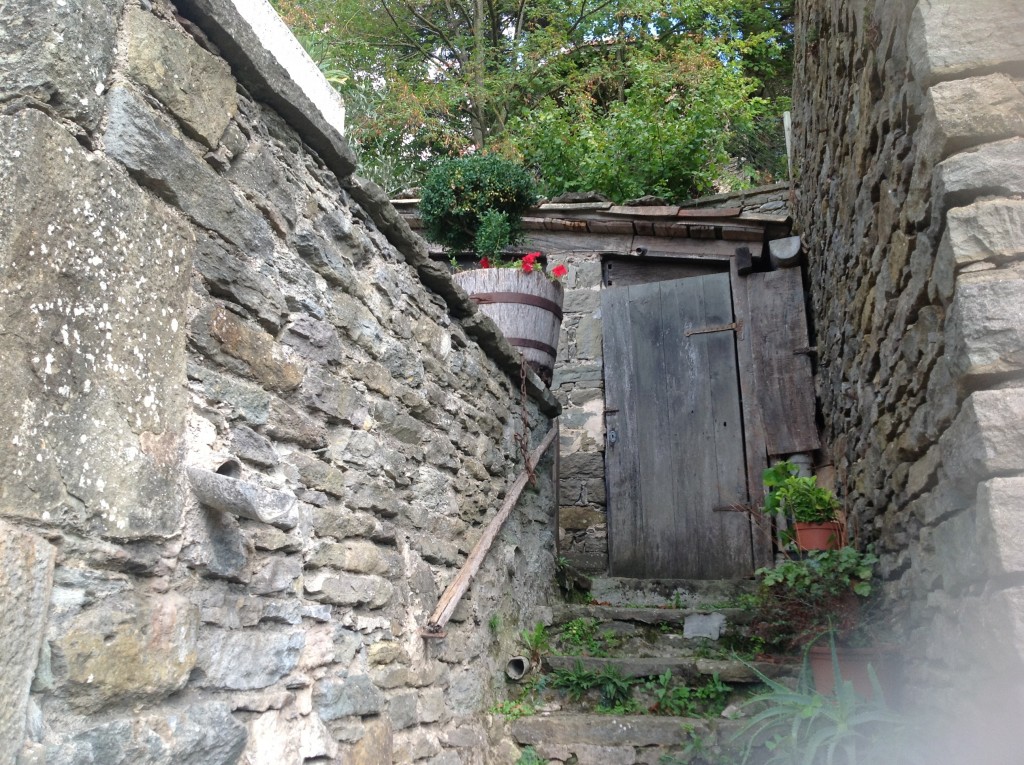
x: 615, y: 689
x: 801, y: 599
x: 529, y: 756
x: 802, y: 727
x: 800, y: 497
x: 580, y: 637
x: 580, y: 140
x: 494, y: 624
x: 536, y: 641
x: 575, y: 682
x: 475, y: 203
x: 513, y: 710
x: 683, y: 700
x: 654, y: 91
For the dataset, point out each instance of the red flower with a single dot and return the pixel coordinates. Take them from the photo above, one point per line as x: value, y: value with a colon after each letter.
x: 528, y: 259
x: 485, y: 263
x: 559, y: 271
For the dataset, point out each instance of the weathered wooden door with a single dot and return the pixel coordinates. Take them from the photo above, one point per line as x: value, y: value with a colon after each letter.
x: 674, y: 453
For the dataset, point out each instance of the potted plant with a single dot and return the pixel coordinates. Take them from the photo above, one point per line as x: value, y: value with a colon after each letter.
x: 475, y: 204
x: 814, y: 509
x: 821, y: 604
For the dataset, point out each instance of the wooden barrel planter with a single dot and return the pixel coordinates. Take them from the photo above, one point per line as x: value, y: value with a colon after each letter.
x: 526, y: 307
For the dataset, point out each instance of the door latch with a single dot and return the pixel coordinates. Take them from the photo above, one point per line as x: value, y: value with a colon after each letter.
x: 613, y: 437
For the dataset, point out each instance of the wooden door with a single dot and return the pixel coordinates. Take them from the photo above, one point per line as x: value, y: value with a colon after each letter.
x: 674, y: 448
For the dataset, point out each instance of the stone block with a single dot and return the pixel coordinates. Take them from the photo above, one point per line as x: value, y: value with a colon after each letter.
x: 357, y: 556
x: 253, y: 447
x: 317, y: 474
x: 350, y: 590
x: 146, y: 145
x: 261, y: 356
x: 94, y: 430
x: 432, y: 705
x: 265, y: 179
x: 987, y: 436
x: 376, y: 745
x: 1000, y: 511
x: 227, y: 275
x: 959, y: 560
x: 704, y: 626
x: 120, y: 651
x: 194, y: 85
x: 985, y: 328
x: 283, y: 736
x: 402, y: 710
x: 60, y: 54
x: 975, y: 110
x: 984, y: 230
x: 246, y: 400
x: 586, y: 301
x: 947, y: 38
x: 289, y: 423
x: 341, y: 524
x: 415, y: 744
x: 571, y: 517
x: 246, y: 660
x: 336, y: 697
x: 26, y: 580
x: 279, y: 574
x: 604, y: 755
x: 200, y: 734
x: 988, y: 169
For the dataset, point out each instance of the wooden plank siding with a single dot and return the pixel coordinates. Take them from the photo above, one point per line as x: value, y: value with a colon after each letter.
x: 753, y: 424
x: 785, y: 387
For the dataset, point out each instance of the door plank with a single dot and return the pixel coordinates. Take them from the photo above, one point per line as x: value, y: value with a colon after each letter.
x: 658, y: 490
x: 753, y: 426
x: 622, y: 468
x: 731, y: 542
x: 785, y: 384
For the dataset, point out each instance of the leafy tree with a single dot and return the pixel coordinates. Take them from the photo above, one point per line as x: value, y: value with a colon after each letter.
x: 429, y: 78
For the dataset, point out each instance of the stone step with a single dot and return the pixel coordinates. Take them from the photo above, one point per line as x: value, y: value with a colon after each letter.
x: 694, y: 594
x: 597, y: 739
x: 688, y: 669
x: 566, y: 612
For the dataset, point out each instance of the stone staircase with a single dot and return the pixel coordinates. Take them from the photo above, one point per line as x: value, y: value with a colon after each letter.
x: 646, y: 672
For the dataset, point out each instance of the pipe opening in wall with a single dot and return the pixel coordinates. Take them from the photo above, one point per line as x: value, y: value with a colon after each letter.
x: 517, y: 668
x: 232, y: 468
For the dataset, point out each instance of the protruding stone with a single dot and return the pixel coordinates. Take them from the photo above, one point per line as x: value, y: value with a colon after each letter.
x: 244, y: 499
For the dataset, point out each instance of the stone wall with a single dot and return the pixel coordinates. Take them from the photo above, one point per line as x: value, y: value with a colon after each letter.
x: 249, y: 430
x: 909, y: 139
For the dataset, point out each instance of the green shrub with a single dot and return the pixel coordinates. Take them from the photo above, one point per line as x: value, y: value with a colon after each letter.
x: 476, y: 203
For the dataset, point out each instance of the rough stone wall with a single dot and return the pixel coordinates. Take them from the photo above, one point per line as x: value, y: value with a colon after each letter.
x: 908, y: 123
x: 196, y: 303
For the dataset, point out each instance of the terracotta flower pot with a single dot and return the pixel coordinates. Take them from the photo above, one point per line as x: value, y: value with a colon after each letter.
x: 819, y: 536
x: 853, y: 667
